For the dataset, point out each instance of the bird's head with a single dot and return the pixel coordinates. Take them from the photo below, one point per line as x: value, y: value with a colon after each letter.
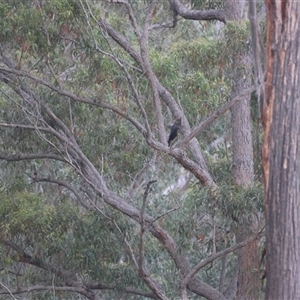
x: 178, y: 121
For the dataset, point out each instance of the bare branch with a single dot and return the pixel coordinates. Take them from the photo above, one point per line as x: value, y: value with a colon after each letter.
x: 132, y: 17
x: 138, y: 179
x: 213, y: 257
x: 127, y: 245
x: 166, y: 213
x: 79, y: 290
x: 64, y: 184
x: 8, y: 291
x: 30, y: 127
x: 126, y: 290
x: 20, y: 157
x: 198, y: 129
x: 163, y: 94
x: 98, y: 286
x: 207, y: 15
x: 32, y: 100
x: 143, y: 273
x: 151, y: 76
x: 122, y: 41
x: 132, y: 86
x: 162, y: 25
x: 179, y: 154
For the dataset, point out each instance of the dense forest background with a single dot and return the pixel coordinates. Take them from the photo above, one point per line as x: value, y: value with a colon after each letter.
x: 94, y: 204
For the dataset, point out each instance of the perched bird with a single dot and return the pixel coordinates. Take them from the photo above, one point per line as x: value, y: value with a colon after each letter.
x: 174, y: 131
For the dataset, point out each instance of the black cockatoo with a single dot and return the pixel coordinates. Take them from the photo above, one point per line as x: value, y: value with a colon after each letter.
x: 174, y: 131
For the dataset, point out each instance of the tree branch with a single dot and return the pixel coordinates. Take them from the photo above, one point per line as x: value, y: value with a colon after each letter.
x: 163, y: 94
x: 79, y: 290
x: 31, y: 127
x: 213, y: 257
x: 8, y: 291
x: 169, y: 24
x: 70, y: 278
x: 20, y: 157
x: 132, y: 86
x: 143, y: 273
x: 132, y: 17
x: 98, y: 286
x: 128, y: 290
x: 120, y: 40
x: 207, y: 15
x: 64, y: 184
x: 76, y: 98
x: 151, y: 76
x: 198, y: 129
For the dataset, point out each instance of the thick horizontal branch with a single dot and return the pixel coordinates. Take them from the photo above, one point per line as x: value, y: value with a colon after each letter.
x: 43, y: 288
x: 129, y: 290
x: 191, y: 14
x: 75, y: 289
x: 169, y: 24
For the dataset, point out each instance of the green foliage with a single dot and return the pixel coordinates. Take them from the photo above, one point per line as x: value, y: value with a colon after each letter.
x: 240, y: 204
x: 24, y: 24
x: 197, y: 71
x: 62, y: 235
x: 237, y: 35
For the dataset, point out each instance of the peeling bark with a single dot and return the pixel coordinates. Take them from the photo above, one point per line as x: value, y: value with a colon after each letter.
x: 281, y: 151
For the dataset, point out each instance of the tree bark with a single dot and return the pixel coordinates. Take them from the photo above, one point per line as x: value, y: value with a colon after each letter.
x: 281, y: 151
x: 248, y: 284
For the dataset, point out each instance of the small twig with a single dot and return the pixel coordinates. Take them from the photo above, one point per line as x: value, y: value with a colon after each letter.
x: 143, y: 273
x: 223, y: 273
x: 141, y: 249
x: 8, y: 290
x: 64, y: 184
x: 164, y: 214
x: 129, y: 249
x: 170, y: 24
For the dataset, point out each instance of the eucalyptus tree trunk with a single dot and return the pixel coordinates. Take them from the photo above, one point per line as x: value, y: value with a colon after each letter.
x: 281, y: 151
x: 248, y: 283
